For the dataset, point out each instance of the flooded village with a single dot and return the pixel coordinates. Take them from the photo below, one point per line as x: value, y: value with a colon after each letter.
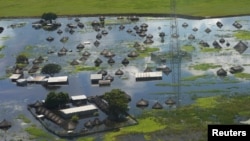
x: 100, y: 54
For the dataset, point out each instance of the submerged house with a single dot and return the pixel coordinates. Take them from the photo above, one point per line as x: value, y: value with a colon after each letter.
x: 57, y: 80
x: 84, y: 110
x: 145, y: 76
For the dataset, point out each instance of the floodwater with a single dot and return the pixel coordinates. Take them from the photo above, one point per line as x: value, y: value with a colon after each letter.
x: 26, y: 39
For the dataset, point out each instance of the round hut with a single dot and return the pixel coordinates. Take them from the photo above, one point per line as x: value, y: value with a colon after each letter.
x: 216, y: 45
x: 125, y: 61
x: 95, y: 23
x: 109, y: 77
x: 240, y: 47
x: 121, y: 27
x: 111, y: 61
x: 119, y: 72
x: 129, y: 30
x: 50, y: 39
x: 64, y: 39
x: 1, y: 29
x: 103, y: 72
x: 104, y: 52
x: 59, y: 31
x: 88, y: 124
x: 148, y: 41
x: 80, y: 25
x: 97, y: 122
x: 222, y: 40
x: 221, y: 72
x: 144, y: 25
x: 74, y: 62
x: 191, y: 37
x: 184, y: 25
x: 96, y: 43
x: 98, y: 61
x: 136, y: 44
x: 99, y: 36
x: 104, y: 32
x: 86, y: 53
x: 195, y: 29
x: 170, y: 101
x: 236, y: 69
x: 162, y: 34
x: 219, y: 24
x: 133, y: 54
x: 207, y: 30
x: 157, y: 105
x: 136, y: 27
x: 5, y: 125
x: 109, y: 54
x: 142, y: 34
x: 80, y: 46
x: 142, y: 103
x: 150, y: 36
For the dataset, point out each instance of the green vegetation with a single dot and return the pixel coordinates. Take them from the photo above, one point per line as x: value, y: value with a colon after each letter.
x: 188, y: 48
x: 142, y: 127
x: 51, y: 69
x: 118, y: 103
x: 49, y: 16
x: 242, y: 35
x: 243, y: 75
x: 5, y: 38
x: 74, y: 118
x: 23, y: 118
x: 147, y: 51
x: 17, y: 8
x: 56, y: 100
x: 2, y: 47
x: 86, y: 139
x: 207, y: 49
x: 217, y: 91
x: 193, y: 78
x: 79, y: 68
x: 38, y: 133
x: 191, y: 120
x: 205, y: 66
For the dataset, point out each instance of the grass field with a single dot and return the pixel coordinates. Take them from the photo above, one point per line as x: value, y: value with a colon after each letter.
x: 211, y: 8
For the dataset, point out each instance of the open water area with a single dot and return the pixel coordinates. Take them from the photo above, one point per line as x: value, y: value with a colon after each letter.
x: 26, y: 39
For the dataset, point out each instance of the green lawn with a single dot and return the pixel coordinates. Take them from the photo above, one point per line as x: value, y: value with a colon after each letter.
x: 17, y: 8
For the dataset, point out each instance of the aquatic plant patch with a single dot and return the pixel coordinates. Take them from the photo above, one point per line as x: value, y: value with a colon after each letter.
x: 242, y: 35
x: 205, y: 66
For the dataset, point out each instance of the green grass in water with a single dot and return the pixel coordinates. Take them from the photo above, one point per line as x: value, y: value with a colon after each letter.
x: 205, y: 66
x: 193, y: 78
x: 242, y: 35
x: 188, y: 48
x: 243, y: 75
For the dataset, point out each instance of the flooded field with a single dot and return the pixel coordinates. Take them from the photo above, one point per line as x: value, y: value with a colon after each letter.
x: 201, y: 59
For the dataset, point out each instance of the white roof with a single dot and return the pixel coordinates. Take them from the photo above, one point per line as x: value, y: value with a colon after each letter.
x: 79, y: 109
x: 78, y: 97
x: 95, y: 76
x: 57, y: 79
x: 15, y: 76
x: 36, y: 78
x: 148, y: 74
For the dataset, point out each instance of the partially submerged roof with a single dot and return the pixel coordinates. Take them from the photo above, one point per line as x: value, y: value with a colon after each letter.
x: 78, y: 97
x: 79, y: 109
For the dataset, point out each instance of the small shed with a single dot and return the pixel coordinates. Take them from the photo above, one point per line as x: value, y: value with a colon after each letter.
x: 80, y: 111
x: 142, y: 103
x: 157, y: 105
x: 221, y: 72
x: 170, y: 101
x: 146, y: 76
x: 95, y: 78
x: 79, y: 100
x: 57, y: 80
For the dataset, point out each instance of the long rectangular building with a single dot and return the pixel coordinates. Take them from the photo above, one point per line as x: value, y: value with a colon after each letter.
x: 144, y: 76
x: 80, y: 111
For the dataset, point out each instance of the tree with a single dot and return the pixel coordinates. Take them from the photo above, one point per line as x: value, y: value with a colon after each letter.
x: 51, y: 69
x: 49, y: 16
x: 22, y: 59
x: 56, y: 100
x: 118, y: 103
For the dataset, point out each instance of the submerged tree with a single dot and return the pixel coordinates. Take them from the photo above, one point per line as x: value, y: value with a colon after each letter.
x: 56, y: 100
x: 49, y: 16
x: 51, y: 69
x: 118, y: 103
x: 21, y: 59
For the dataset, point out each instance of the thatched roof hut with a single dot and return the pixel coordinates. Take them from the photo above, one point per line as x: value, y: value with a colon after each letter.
x: 133, y: 54
x: 104, y: 32
x: 111, y: 61
x: 222, y: 40
x: 170, y: 101
x: 125, y: 61
x: 221, y: 72
x: 136, y: 27
x: 86, y: 53
x: 1, y: 29
x: 236, y: 69
x: 103, y: 72
x: 129, y: 30
x: 142, y: 103
x: 237, y: 25
x: 98, y: 61
x: 157, y: 105
x: 80, y: 46
x: 150, y: 36
x: 162, y: 34
x: 119, y: 72
x: 104, y: 52
x: 148, y: 69
x: 88, y: 124
x: 64, y: 39
x: 97, y: 122
x: 191, y: 37
x: 136, y: 44
x: 95, y: 23
x: 219, y: 24
x: 184, y: 25
x: 216, y: 45
x: 142, y: 34
x: 144, y: 25
x: 227, y: 44
x: 240, y: 47
x: 74, y: 62
x: 195, y: 29
x: 148, y: 41
x: 207, y: 30
x: 5, y: 125
x: 59, y: 31
x: 99, y: 36
x: 121, y: 27
x: 80, y: 25
x: 96, y: 43
x: 49, y: 38
x: 109, y: 77
x: 109, y: 54
x: 63, y: 49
